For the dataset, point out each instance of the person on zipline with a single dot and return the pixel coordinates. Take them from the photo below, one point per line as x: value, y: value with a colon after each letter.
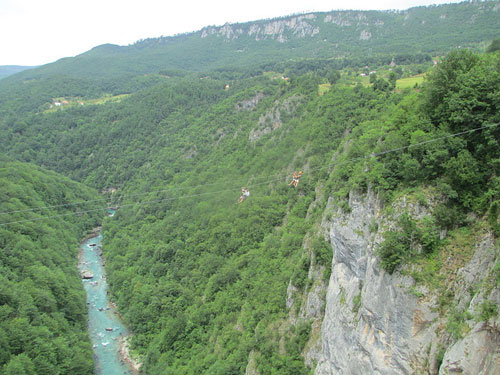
x: 245, y: 193
x: 295, y: 179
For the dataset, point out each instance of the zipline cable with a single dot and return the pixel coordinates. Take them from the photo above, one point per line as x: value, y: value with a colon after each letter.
x: 121, y: 196
x: 256, y: 178
x: 130, y: 204
x: 227, y: 190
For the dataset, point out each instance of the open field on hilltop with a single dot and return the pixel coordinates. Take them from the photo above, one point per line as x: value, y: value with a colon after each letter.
x: 404, y: 83
x: 60, y: 103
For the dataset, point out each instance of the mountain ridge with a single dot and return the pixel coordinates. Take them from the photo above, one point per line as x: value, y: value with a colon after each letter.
x: 434, y: 29
x: 8, y: 70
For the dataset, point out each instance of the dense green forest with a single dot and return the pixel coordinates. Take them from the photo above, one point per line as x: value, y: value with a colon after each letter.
x: 210, y: 277
x: 43, y: 317
x: 202, y: 280
x: 7, y: 70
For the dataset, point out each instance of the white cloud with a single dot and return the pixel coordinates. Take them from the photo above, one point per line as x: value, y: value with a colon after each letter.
x: 36, y: 32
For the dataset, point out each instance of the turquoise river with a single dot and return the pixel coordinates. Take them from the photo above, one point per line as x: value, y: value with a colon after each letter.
x: 105, y: 327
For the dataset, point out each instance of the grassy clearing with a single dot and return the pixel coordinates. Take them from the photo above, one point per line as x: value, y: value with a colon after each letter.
x: 409, y: 82
x: 323, y: 88
x: 365, y: 80
x: 74, y: 102
x: 106, y: 99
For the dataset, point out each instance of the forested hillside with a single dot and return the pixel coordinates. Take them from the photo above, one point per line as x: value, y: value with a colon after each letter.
x: 291, y: 45
x: 7, y: 70
x: 386, y: 252
x: 198, y: 273
x: 195, y: 272
x: 43, y: 317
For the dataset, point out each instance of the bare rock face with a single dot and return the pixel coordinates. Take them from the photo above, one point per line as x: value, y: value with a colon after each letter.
x: 373, y: 324
x: 274, y: 29
x: 271, y: 120
x: 304, y: 26
x: 478, y: 353
x: 247, y: 105
x: 365, y: 35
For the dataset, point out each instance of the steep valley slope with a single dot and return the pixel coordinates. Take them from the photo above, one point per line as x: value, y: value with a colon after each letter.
x: 383, y: 260
x: 43, y: 315
x: 385, y: 264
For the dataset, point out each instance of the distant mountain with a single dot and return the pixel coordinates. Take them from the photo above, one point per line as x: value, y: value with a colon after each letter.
x: 434, y: 29
x: 7, y: 70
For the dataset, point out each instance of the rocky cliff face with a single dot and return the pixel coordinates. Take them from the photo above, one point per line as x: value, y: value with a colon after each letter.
x: 307, y: 25
x: 272, y: 119
x: 337, y: 25
x: 478, y: 352
x: 377, y: 323
x: 275, y: 29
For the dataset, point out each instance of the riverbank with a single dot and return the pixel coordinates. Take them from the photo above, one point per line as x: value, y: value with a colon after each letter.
x: 134, y: 363
x: 94, y: 233
x: 125, y: 354
x: 105, y: 327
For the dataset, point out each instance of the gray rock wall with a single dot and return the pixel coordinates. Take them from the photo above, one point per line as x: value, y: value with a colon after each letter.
x: 478, y: 353
x: 374, y: 325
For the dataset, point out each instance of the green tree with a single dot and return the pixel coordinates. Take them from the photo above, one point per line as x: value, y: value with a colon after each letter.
x: 494, y: 46
x: 20, y: 365
x: 463, y: 91
x: 333, y: 76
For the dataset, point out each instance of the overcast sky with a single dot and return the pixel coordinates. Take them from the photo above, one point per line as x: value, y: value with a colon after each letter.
x: 35, y: 32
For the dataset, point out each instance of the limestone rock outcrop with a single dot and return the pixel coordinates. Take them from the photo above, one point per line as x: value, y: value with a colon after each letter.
x: 376, y: 323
